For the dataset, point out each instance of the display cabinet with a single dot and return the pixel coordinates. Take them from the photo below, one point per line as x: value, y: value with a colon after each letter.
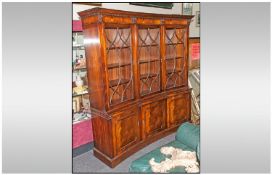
x: 137, y: 66
x: 81, y: 104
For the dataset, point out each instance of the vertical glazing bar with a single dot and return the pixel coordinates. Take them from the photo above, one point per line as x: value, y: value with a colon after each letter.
x: 135, y: 57
x: 175, y: 56
x: 118, y: 49
x: 149, y: 61
x: 162, y: 55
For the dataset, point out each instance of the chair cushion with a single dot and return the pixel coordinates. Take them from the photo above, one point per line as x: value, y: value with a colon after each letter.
x: 189, y: 134
x: 142, y: 165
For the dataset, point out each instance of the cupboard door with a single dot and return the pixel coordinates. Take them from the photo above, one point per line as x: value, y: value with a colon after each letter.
x: 154, y: 115
x: 149, y: 59
x: 119, y: 63
x: 127, y: 130
x: 175, y: 57
x: 178, y: 109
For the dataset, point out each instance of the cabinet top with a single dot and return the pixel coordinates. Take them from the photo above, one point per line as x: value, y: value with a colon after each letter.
x: 121, y: 13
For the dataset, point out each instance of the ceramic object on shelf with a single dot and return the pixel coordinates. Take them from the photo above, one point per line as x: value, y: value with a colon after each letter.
x: 79, y: 81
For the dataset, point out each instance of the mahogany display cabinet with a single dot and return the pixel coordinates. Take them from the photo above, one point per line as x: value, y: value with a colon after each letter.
x: 137, y: 66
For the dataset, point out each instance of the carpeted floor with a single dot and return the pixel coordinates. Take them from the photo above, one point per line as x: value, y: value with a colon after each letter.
x: 87, y: 163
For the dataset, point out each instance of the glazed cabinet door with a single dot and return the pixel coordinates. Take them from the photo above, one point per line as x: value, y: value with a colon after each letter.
x: 178, y: 109
x: 126, y: 129
x: 175, y: 57
x: 149, y: 59
x: 154, y: 117
x: 119, y: 68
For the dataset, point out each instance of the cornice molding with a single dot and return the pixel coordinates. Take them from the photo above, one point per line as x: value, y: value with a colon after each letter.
x: 121, y: 13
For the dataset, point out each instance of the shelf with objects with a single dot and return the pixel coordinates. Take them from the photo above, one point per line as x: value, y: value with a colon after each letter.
x: 81, y: 103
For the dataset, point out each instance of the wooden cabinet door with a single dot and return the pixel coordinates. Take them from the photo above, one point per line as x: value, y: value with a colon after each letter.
x: 178, y: 109
x: 154, y: 116
x: 127, y: 130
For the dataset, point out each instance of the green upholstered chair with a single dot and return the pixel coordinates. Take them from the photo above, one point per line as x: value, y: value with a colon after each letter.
x: 187, y: 138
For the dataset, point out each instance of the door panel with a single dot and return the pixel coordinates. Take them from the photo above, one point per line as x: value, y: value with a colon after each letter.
x: 154, y: 115
x: 178, y: 109
x: 127, y: 130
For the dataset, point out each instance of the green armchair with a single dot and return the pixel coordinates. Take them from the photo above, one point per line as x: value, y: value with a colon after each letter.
x: 187, y: 138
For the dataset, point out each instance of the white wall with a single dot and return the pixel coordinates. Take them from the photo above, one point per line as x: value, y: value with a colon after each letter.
x: 194, y: 31
x: 78, y: 8
x: 176, y: 9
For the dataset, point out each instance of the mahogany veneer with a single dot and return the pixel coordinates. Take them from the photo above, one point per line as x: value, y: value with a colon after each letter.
x: 137, y: 65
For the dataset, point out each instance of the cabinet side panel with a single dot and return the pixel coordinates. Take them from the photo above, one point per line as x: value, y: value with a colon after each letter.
x: 95, y: 68
x: 102, y: 135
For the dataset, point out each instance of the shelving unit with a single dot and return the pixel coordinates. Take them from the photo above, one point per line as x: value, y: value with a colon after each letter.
x: 138, y: 74
x: 81, y: 103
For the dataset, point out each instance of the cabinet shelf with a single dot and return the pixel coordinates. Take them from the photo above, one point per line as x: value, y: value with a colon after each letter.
x: 149, y: 45
x: 115, y: 82
x: 80, y: 69
x: 115, y: 65
x: 76, y: 95
x: 169, y: 44
x: 167, y: 59
x: 150, y: 75
x: 169, y: 71
x: 147, y: 61
x: 113, y: 48
x: 80, y: 47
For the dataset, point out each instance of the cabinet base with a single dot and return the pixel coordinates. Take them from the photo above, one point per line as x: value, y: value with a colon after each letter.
x: 112, y: 162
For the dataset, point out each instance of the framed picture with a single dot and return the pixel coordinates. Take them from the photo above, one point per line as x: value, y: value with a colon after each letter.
x: 197, y: 16
x: 99, y: 4
x: 165, y: 5
x: 187, y: 8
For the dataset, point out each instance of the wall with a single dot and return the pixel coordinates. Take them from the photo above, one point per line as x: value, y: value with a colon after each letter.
x: 194, y: 31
